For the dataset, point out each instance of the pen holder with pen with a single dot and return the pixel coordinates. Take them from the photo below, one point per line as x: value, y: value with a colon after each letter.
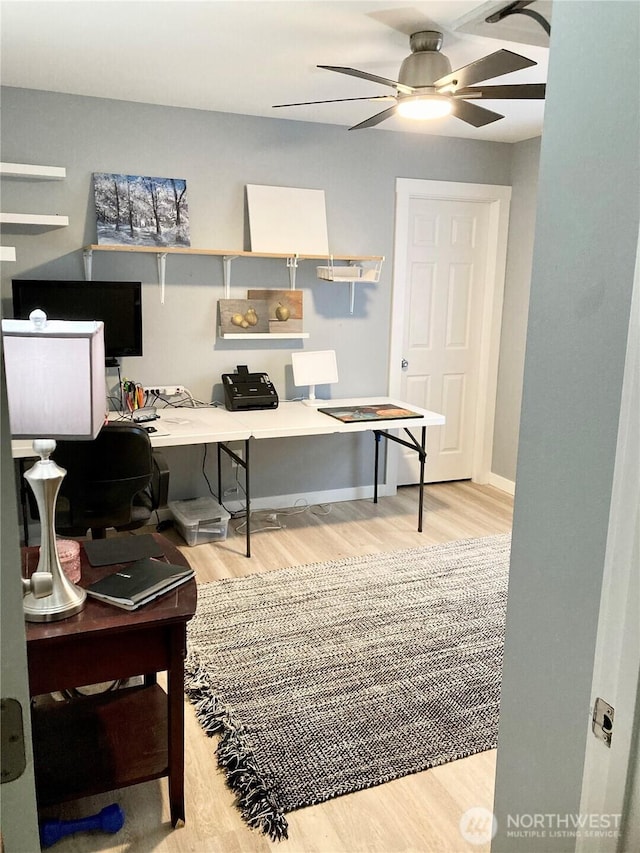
x: 133, y: 395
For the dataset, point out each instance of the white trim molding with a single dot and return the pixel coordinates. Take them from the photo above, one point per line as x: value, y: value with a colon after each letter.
x: 502, y: 483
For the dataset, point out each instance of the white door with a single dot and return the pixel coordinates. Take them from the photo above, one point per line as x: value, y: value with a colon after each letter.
x: 446, y: 267
x: 449, y: 266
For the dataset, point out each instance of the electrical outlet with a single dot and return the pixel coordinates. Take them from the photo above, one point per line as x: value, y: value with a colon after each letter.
x: 164, y: 390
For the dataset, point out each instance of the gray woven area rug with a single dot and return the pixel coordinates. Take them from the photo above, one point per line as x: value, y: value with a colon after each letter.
x: 332, y: 677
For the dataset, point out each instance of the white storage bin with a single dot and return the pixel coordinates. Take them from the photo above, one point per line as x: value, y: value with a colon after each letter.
x: 365, y: 272
x: 200, y: 520
x: 343, y: 273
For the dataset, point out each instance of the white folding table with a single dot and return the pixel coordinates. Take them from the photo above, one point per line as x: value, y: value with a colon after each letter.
x: 215, y: 425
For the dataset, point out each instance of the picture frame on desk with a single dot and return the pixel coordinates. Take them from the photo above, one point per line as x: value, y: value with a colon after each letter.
x: 370, y: 413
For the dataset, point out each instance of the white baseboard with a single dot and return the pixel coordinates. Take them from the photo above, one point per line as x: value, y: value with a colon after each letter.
x: 233, y: 504
x: 502, y: 483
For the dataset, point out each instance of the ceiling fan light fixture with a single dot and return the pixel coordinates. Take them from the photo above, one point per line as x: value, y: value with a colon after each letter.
x: 421, y: 107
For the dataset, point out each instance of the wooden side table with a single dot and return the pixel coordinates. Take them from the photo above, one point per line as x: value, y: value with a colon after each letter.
x: 92, y: 744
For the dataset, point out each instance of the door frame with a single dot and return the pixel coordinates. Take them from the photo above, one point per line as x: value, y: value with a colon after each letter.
x: 611, y: 776
x: 498, y: 198
x: 18, y: 806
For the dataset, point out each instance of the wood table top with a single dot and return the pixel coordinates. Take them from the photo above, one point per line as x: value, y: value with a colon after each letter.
x: 176, y: 605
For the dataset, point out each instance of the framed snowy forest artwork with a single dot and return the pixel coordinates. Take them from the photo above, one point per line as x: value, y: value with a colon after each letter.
x: 133, y: 210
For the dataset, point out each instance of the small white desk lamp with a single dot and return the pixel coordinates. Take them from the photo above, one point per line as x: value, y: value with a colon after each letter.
x: 314, y: 368
x: 55, y: 387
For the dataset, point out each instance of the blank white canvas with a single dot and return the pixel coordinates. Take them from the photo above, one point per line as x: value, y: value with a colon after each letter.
x: 287, y: 220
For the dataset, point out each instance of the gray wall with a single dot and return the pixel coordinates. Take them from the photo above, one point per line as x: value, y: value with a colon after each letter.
x: 584, y: 258
x: 218, y: 154
x: 524, y: 178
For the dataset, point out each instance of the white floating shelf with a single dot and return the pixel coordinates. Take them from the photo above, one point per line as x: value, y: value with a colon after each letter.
x: 54, y: 220
x: 263, y: 336
x: 7, y: 253
x: 26, y: 170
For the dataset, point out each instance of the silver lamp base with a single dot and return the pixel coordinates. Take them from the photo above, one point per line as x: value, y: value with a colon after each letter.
x: 66, y: 598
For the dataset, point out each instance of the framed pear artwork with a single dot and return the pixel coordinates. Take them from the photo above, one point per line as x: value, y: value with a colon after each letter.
x: 284, y: 308
x: 237, y: 316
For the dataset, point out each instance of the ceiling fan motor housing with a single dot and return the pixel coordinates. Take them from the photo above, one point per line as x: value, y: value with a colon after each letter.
x: 425, y: 64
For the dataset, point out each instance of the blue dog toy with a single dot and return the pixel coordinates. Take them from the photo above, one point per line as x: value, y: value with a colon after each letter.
x: 110, y: 819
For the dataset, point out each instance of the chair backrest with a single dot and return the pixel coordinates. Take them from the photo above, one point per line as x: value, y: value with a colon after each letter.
x: 103, y: 477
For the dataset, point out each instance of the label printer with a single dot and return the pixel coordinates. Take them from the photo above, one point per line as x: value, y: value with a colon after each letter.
x: 244, y: 390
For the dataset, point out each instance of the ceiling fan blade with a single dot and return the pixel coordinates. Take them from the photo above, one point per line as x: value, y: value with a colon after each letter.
x: 473, y: 114
x: 376, y: 119
x: 336, y: 101
x: 529, y: 91
x: 364, y: 75
x: 494, y: 65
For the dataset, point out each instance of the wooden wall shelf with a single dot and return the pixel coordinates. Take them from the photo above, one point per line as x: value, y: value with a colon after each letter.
x: 232, y: 253
x: 228, y: 255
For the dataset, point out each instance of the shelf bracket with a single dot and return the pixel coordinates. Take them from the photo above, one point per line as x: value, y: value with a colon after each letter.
x: 226, y: 272
x: 292, y: 266
x: 161, y: 260
x: 87, y: 256
x: 352, y: 296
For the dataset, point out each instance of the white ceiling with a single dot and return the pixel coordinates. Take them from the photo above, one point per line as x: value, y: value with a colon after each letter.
x: 243, y: 56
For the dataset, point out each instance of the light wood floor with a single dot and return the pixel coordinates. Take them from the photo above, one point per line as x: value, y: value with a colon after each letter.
x: 419, y: 813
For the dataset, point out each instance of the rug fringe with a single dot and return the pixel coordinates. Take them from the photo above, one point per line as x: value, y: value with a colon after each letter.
x: 256, y: 800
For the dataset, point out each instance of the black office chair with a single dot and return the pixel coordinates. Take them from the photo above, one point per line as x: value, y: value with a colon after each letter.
x: 115, y: 481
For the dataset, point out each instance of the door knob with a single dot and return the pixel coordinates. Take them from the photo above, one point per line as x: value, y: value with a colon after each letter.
x: 404, y: 363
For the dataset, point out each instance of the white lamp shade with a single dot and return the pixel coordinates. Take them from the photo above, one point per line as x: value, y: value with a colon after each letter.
x: 55, y: 378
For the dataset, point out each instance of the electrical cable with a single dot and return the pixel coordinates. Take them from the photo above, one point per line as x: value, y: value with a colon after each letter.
x: 114, y: 403
x: 180, y: 401
x: 239, y: 513
x: 240, y: 527
x: 204, y: 473
x: 518, y: 8
x: 300, y: 506
x: 320, y: 509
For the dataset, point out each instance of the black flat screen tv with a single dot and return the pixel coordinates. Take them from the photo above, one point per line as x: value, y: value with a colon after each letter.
x: 117, y: 303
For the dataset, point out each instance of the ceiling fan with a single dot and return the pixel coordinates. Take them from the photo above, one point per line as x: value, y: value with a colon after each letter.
x: 427, y: 87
